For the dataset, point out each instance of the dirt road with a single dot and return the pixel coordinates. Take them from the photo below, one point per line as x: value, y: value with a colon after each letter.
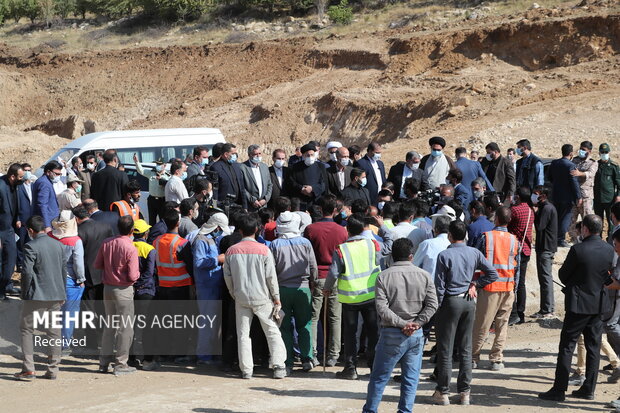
x: 530, y: 363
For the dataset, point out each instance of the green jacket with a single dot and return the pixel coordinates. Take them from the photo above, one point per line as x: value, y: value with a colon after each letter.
x: 606, y: 182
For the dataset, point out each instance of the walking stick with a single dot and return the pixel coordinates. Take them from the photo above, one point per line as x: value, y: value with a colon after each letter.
x: 324, y: 333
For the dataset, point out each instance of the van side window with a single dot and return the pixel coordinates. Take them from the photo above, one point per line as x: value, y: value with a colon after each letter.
x: 151, y: 154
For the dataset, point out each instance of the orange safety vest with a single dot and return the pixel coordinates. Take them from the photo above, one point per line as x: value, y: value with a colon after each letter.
x: 170, y: 270
x: 502, y: 249
x: 125, y: 209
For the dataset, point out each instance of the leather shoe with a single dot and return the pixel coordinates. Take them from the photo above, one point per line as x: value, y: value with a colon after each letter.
x: 552, y: 395
x: 579, y: 394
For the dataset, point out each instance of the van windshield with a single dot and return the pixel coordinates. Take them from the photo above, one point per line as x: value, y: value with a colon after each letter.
x: 64, y: 155
x: 152, y: 154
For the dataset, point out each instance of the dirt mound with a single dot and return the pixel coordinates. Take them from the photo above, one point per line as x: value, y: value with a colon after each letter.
x: 395, y: 87
x: 33, y: 147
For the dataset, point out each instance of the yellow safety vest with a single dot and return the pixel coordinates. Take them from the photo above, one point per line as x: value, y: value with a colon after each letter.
x: 357, y: 283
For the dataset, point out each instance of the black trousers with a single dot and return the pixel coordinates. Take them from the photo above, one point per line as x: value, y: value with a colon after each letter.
x: 92, y: 300
x: 518, y: 308
x: 142, y: 304
x: 350, y: 317
x: 156, y: 208
x: 174, y: 342
x: 230, y: 355
x: 591, y: 326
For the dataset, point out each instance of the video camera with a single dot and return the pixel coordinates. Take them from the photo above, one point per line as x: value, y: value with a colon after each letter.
x: 430, y: 196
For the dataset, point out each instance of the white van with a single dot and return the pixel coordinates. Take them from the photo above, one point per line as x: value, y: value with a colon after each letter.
x: 149, y: 144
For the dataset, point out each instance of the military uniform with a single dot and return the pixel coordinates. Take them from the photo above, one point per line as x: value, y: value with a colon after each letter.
x: 606, y: 186
x: 586, y: 183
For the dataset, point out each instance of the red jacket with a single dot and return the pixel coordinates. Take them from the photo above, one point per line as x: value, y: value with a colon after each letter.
x: 325, y: 237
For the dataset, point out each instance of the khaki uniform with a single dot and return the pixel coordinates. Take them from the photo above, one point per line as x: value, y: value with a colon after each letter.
x: 586, y: 183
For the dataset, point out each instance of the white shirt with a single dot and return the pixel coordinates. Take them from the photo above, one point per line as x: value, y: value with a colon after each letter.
x: 377, y: 171
x: 28, y: 188
x: 341, y: 179
x: 407, y: 173
x: 259, y: 182
x: 175, y: 190
x: 279, y: 175
x: 402, y: 230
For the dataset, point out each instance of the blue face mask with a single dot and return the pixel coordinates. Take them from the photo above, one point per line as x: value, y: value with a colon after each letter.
x: 582, y: 153
x: 343, y: 214
x: 363, y: 182
x: 519, y: 151
x: 184, y: 176
x: 233, y: 158
x: 204, y: 162
x: 217, y: 234
x: 257, y: 160
x: 436, y: 153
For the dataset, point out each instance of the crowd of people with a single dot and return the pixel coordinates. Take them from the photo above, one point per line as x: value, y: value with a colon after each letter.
x: 330, y: 246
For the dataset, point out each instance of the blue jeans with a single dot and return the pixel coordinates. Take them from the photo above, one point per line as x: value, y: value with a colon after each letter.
x: 70, y: 307
x: 565, y: 215
x: 393, y: 346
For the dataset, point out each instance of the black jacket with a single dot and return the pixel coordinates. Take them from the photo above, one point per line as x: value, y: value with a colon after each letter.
x: 226, y: 175
x: 107, y: 186
x: 333, y: 182
x: 546, y: 223
x: 278, y: 190
x: 351, y: 192
x: 373, y: 186
x: 396, y: 177
x: 504, y: 179
x: 107, y: 217
x: 9, y: 205
x: 92, y: 234
x: 584, y: 272
x: 313, y: 175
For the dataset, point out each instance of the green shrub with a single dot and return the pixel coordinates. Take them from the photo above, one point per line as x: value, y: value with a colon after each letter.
x: 341, y: 14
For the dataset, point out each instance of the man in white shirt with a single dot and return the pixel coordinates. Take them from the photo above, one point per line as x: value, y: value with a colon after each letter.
x: 175, y: 190
x: 406, y: 213
x: 278, y: 174
x: 375, y: 170
x: 427, y: 252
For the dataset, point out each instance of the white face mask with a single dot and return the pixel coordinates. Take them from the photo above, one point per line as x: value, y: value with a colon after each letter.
x: 489, y: 157
x: 90, y: 166
x: 333, y: 157
x: 380, y: 205
x: 279, y: 163
x: 414, y: 166
x: 309, y: 160
x: 377, y: 156
x: 534, y: 199
x: 345, y: 161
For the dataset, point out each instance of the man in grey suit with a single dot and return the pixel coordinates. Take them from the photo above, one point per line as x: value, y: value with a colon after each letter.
x: 256, y: 178
x: 43, y: 291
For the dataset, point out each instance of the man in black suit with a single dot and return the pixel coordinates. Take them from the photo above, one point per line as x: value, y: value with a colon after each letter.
x: 230, y: 177
x: 375, y: 170
x: 107, y: 184
x: 307, y: 179
x: 339, y: 172
x: 566, y: 191
x: 108, y: 218
x: 584, y: 273
x: 278, y: 174
x: 356, y: 190
x: 408, y: 169
x: 499, y: 171
x: 9, y: 223
x: 92, y: 234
